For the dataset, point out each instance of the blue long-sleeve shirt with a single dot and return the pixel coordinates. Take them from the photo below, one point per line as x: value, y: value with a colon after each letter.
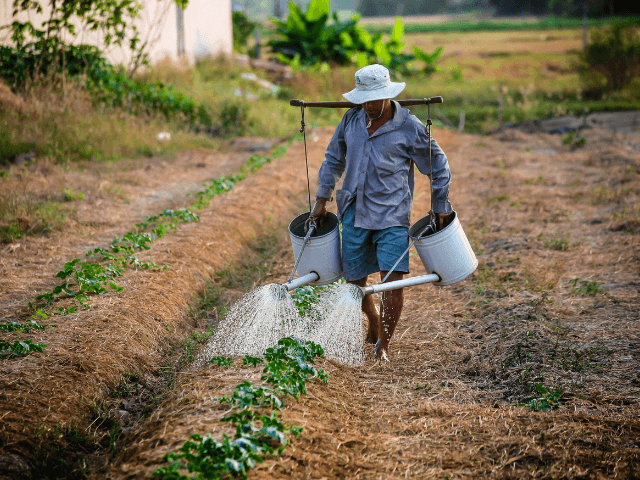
x: 378, y: 169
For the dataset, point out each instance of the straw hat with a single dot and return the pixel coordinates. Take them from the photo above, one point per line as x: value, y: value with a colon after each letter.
x: 373, y: 83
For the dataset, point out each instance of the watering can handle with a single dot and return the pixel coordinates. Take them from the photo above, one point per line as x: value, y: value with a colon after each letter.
x: 312, y: 228
x: 420, y: 233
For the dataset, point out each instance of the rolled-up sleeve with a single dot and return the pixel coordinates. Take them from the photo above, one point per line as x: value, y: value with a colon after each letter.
x: 437, y: 170
x: 334, y: 163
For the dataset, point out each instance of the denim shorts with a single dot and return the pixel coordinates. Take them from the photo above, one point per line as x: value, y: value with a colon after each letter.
x: 369, y: 251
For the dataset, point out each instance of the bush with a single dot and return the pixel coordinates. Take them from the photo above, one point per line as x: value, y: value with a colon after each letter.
x: 613, y: 52
x: 242, y: 30
x: 234, y: 119
x: 105, y: 83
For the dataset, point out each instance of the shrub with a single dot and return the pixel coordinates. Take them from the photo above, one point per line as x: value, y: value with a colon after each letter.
x: 242, y: 30
x: 105, y: 83
x: 234, y: 119
x: 613, y: 52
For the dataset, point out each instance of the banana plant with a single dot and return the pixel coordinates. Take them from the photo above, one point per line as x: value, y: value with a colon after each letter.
x: 306, y: 39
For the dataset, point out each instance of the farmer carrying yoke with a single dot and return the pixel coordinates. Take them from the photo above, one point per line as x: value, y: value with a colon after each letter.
x: 375, y: 147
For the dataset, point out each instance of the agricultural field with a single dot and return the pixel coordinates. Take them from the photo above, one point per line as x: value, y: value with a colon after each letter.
x: 117, y: 267
x: 528, y: 369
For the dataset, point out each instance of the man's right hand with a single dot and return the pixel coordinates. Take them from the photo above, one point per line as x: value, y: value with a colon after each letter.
x: 319, y: 211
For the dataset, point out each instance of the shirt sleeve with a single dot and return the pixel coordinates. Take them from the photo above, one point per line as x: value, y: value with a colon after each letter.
x: 437, y: 170
x: 334, y: 162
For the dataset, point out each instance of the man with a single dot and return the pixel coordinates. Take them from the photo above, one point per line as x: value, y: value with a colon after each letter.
x: 375, y: 146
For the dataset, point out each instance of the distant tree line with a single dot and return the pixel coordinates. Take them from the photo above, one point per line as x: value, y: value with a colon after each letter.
x: 596, y: 8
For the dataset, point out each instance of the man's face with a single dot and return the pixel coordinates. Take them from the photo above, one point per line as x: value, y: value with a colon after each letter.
x: 374, y: 108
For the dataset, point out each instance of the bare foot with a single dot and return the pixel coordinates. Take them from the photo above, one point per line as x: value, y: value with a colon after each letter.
x: 380, y: 352
x: 382, y: 357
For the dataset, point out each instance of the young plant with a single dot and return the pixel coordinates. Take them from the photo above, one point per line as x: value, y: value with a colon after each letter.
x: 558, y: 242
x: 547, y: 399
x: 222, y: 361
x: 584, y: 287
x: 19, y: 348
x: 574, y: 139
x: 10, y: 327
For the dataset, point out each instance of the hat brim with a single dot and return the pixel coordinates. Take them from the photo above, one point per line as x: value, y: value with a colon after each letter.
x: 361, y: 96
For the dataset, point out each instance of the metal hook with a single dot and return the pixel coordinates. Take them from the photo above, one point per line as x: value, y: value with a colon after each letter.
x: 302, y: 124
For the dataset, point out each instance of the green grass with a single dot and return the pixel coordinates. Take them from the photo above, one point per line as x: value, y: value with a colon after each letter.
x: 65, y: 126
x: 494, y: 25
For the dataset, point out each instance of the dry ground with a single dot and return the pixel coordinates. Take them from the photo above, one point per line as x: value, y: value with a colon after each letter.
x: 554, y: 303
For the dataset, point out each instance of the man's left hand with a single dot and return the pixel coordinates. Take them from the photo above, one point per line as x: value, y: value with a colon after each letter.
x: 444, y: 219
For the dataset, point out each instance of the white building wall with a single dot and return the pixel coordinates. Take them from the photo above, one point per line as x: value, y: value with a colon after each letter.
x: 207, y: 30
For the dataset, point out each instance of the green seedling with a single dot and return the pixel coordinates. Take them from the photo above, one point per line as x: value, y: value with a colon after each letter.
x: 423, y: 388
x: 249, y: 361
x: 305, y: 298
x: 223, y: 184
x: 574, y: 139
x: 257, y: 435
x: 222, y: 361
x: 19, y: 348
x: 183, y: 215
x: 70, y: 196
x: 548, y: 399
x: 584, y: 287
x: 246, y: 395
x: 558, y: 242
x: 19, y: 327
x: 213, y: 459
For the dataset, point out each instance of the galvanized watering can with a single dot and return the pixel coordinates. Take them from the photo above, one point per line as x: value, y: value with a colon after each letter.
x: 318, y: 256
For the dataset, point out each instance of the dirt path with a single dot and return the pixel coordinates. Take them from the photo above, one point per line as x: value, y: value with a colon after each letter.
x: 539, y: 216
x: 465, y: 355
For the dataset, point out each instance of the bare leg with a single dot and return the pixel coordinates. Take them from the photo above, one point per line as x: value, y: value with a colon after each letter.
x: 369, y: 309
x: 391, y: 309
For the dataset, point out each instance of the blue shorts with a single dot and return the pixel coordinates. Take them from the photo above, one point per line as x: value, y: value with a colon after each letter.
x: 369, y: 251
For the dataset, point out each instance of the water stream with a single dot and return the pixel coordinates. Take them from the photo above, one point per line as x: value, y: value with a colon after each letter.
x: 268, y: 313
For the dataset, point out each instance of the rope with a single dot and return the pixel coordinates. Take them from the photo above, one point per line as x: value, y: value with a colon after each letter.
x: 306, y: 160
x: 432, y: 215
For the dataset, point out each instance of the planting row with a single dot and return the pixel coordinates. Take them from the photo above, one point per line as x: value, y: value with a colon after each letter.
x: 253, y: 412
x: 81, y: 279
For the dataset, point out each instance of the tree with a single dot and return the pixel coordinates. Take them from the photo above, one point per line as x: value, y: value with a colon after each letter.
x: 308, y: 39
x: 614, y: 52
x: 113, y: 19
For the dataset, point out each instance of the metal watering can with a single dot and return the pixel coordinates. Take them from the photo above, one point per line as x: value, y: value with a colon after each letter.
x: 317, y: 252
x: 446, y: 255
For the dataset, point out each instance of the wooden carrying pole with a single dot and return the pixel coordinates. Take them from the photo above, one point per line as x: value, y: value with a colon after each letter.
x: 405, y: 103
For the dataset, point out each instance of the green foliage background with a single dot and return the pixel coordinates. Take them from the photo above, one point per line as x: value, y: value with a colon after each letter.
x: 307, y: 39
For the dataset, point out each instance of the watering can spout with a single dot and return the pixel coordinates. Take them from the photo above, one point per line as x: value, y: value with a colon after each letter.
x: 405, y: 282
x: 301, y: 281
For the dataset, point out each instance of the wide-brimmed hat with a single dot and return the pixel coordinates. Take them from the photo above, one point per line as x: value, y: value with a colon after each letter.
x: 373, y: 83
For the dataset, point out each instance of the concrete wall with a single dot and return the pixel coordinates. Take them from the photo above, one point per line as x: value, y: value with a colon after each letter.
x: 207, y: 30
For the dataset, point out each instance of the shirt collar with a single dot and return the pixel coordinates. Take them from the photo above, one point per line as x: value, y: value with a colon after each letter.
x: 396, y: 122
